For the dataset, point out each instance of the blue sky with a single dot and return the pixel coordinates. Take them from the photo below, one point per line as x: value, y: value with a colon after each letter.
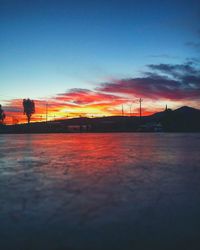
x: 49, y: 47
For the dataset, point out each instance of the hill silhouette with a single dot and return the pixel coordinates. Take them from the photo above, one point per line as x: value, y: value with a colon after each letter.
x: 183, y: 119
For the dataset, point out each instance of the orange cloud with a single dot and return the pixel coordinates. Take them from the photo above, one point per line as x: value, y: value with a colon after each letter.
x: 75, y: 102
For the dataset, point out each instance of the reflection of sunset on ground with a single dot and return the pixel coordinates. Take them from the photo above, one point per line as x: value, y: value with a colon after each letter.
x: 140, y: 188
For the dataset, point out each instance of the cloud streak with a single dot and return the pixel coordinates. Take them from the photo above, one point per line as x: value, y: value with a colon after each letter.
x: 163, y: 81
x: 194, y: 45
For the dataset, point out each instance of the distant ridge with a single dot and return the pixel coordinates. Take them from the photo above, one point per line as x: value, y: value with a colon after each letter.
x: 183, y: 119
x: 186, y: 109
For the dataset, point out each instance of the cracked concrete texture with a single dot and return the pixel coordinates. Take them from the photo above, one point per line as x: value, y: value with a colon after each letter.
x: 100, y: 191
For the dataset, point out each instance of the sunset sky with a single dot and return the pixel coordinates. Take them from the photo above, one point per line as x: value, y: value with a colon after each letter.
x: 91, y: 57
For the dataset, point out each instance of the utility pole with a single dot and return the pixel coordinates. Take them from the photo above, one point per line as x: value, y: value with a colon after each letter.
x: 46, y: 111
x: 130, y: 107
x: 122, y: 110
x: 140, y: 101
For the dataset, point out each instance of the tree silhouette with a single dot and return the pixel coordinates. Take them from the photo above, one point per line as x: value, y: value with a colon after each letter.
x: 29, y: 108
x: 2, y: 114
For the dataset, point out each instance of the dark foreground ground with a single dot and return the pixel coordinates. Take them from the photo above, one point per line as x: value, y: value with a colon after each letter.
x: 100, y: 191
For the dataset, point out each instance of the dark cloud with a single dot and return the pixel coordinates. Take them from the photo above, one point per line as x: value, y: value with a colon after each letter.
x: 195, y: 45
x: 174, y: 69
x: 164, y: 56
x: 187, y: 73
x: 193, y: 60
x: 164, y: 81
